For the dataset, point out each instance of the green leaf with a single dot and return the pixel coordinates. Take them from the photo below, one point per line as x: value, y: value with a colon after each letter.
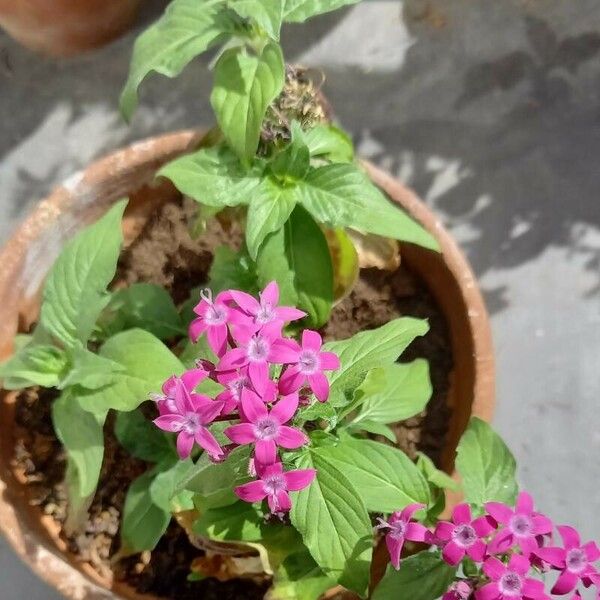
x: 141, y: 438
x: 187, y: 29
x: 232, y: 270
x: 437, y: 478
x: 81, y: 433
x: 369, y: 349
x: 298, y: 11
x: 405, y: 391
x: 319, y: 410
x: 143, y: 522
x: 75, y: 291
x: 149, y: 307
x: 269, y: 209
x: 266, y: 13
x: 486, y: 465
x: 214, y: 176
x: 237, y: 522
x: 293, y: 162
x: 384, y: 477
x: 244, y: 87
x: 334, y: 524
x: 298, y: 259
x: 329, y: 142
x: 34, y: 365
x: 341, y: 195
x: 147, y: 363
x: 423, y: 576
x: 164, y: 488
x: 90, y: 370
x: 375, y: 428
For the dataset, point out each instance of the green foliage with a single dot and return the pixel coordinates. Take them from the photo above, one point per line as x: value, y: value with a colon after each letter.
x: 146, y: 363
x: 141, y: 438
x: 75, y: 291
x: 486, y: 465
x: 298, y: 11
x: 34, y: 365
x: 293, y: 162
x: 330, y: 143
x: 383, y: 476
x: 239, y: 521
x: 423, y: 576
x: 232, y: 270
x: 334, y: 524
x: 89, y: 370
x: 375, y: 428
x: 268, y: 14
x: 244, y: 87
x: 434, y: 476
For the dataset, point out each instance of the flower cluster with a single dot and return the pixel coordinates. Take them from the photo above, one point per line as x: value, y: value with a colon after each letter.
x: 262, y: 372
x: 508, y: 546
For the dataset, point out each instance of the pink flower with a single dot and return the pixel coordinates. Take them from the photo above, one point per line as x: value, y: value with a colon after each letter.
x: 574, y: 561
x: 235, y: 382
x: 308, y: 366
x: 459, y: 590
x: 522, y: 526
x: 212, y: 319
x: 463, y: 535
x: 510, y: 582
x: 266, y: 429
x: 256, y: 351
x: 189, y: 419
x: 266, y: 311
x: 274, y: 484
x: 165, y: 402
x: 401, y: 528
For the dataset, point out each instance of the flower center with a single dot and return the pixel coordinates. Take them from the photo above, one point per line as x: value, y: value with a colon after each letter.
x: 273, y: 484
x: 521, y: 525
x: 576, y: 560
x: 397, y: 529
x: 266, y: 429
x: 308, y: 362
x: 191, y: 423
x: 464, y: 535
x: 216, y: 314
x: 511, y: 584
x: 258, y: 349
x: 265, y: 313
x: 236, y: 387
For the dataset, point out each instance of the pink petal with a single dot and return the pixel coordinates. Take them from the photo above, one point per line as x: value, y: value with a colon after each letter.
x: 217, y: 338
x: 205, y: 439
x: 483, y: 526
x: 452, y: 553
x: 285, y: 409
x: 311, y: 340
x: 320, y: 386
x: 182, y: 398
x: 477, y: 551
x: 287, y: 314
x: 168, y: 387
x: 243, y: 433
x: 570, y: 536
x: 264, y: 470
x: 245, y: 301
x: 519, y: 564
x: 494, y: 568
x: 394, y: 547
x: 192, y: 378
x: 532, y: 588
x: 269, y: 393
x: 271, y: 293
x: 290, y: 438
x: 170, y: 422
x: 541, y: 525
x: 251, y: 492
x: 524, y: 504
x: 254, y: 407
x: 461, y: 515
x: 272, y: 331
x: 566, y: 583
x: 185, y: 443
x: 415, y: 532
x: 283, y: 352
x: 299, y: 479
x: 499, y: 511
x: 329, y: 361
x: 196, y: 329
x: 528, y: 544
x: 408, y: 511
x: 591, y: 551
x: 280, y: 503
x: 229, y: 403
x: 209, y: 411
x: 553, y: 556
x: 291, y: 380
x: 258, y: 374
x: 502, y: 542
x: 265, y: 452
x: 443, y: 531
x: 234, y: 359
x: 489, y: 591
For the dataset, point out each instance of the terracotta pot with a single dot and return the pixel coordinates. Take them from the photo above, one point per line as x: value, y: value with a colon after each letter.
x: 83, y: 198
x: 66, y: 27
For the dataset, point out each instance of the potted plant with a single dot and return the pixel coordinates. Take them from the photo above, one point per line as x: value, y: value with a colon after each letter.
x: 213, y: 398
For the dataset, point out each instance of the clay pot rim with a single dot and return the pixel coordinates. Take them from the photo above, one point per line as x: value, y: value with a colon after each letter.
x: 145, y: 156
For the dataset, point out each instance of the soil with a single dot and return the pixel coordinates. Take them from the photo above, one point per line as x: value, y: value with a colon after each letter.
x: 165, y: 253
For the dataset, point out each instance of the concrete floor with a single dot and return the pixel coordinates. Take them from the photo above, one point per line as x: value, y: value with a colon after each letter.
x: 490, y: 110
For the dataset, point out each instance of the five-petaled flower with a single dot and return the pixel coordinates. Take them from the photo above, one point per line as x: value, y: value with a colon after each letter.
x: 574, y: 561
x: 213, y: 317
x: 165, y: 402
x: 399, y: 528
x: 274, y: 484
x: 189, y: 419
x: 307, y: 366
x: 510, y: 582
x: 522, y: 526
x: 266, y: 429
x: 463, y: 535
